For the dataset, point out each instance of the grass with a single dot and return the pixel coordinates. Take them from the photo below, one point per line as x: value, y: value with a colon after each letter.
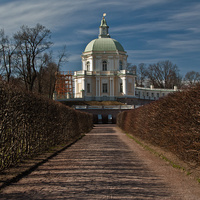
x: 174, y: 165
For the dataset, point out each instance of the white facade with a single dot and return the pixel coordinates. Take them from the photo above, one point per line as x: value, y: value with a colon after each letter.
x: 104, y: 75
x: 152, y: 93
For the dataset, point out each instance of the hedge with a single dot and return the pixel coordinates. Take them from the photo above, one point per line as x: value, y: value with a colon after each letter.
x: 172, y: 123
x: 31, y: 124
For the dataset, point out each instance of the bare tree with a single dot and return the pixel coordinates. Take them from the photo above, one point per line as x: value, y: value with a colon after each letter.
x: 52, y: 70
x: 141, y: 74
x: 192, y: 77
x: 131, y: 67
x: 7, y: 53
x: 44, y: 62
x: 164, y: 74
x: 31, y: 43
x: 62, y: 58
x: 46, y: 74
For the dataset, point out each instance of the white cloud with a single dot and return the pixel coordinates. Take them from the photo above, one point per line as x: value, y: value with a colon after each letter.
x: 164, y: 32
x: 58, y: 13
x: 48, y: 12
x: 176, y: 46
x: 88, y: 31
x: 190, y: 12
x: 74, y: 57
x: 68, y: 43
x: 131, y: 4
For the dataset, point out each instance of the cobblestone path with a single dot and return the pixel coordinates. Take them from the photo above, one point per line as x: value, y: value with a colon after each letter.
x: 105, y: 164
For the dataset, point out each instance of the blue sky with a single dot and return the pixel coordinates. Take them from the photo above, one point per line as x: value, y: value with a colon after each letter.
x: 149, y: 30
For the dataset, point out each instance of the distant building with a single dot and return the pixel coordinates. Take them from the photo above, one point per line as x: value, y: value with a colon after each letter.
x: 152, y: 93
x: 104, y: 75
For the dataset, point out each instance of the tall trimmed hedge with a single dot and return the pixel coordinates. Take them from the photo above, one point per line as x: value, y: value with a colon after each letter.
x: 31, y: 124
x: 172, y: 123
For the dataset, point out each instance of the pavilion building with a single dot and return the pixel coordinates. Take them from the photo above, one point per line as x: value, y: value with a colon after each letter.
x: 104, y: 74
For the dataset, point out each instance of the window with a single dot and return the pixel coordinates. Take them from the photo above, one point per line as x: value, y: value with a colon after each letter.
x: 88, y: 88
x: 152, y: 94
x: 104, y: 67
x: 99, y: 119
x: 88, y: 66
x: 120, y: 65
x: 147, y: 94
x: 105, y: 88
x: 158, y: 95
x: 121, y: 88
x: 109, y: 119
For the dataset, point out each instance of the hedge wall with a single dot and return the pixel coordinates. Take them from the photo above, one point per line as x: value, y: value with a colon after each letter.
x: 31, y: 124
x: 172, y: 123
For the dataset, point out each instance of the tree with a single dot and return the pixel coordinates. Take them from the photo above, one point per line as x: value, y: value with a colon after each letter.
x: 44, y: 62
x: 131, y: 67
x: 141, y: 74
x: 7, y: 54
x: 52, y: 69
x: 31, y: 43
x: 46, y: 74
x: 62, y: 58
x: 164, y: 74
x: 192, y: 77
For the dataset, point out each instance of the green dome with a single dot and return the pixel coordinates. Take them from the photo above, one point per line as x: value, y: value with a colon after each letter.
x: 104, y: 44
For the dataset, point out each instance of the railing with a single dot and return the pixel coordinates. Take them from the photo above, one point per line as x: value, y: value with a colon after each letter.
x: 104, y: 107
x: 103, y: 73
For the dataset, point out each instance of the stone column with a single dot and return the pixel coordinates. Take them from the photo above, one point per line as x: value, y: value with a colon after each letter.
x: 83, y: 83
x: 83, y: 87
x: 97, y: 87
x: 111, y: 87
x: 124, y: 86
x: 75, y: 88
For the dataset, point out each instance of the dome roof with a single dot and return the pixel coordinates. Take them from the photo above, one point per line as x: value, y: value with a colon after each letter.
x: 104, y: 44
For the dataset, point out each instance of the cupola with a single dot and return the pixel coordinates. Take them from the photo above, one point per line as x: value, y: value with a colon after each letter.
x: 103, y: 28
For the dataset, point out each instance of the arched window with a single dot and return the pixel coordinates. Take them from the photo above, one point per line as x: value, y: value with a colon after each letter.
x: 88, y: 66
x: 104, y: 66
x: 120, y: 65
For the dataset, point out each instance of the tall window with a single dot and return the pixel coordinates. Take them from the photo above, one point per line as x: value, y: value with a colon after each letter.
x: 120, y: 65
x: 104, y: 67
x: 121, y: 88
x: 105, y: 88
x: 88, y: 66
x: 88, y: 88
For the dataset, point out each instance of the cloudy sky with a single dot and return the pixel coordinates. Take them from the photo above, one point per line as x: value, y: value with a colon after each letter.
x: 149, y: 30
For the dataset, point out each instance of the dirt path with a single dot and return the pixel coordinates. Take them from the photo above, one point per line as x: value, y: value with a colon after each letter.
x: 105, y: 164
